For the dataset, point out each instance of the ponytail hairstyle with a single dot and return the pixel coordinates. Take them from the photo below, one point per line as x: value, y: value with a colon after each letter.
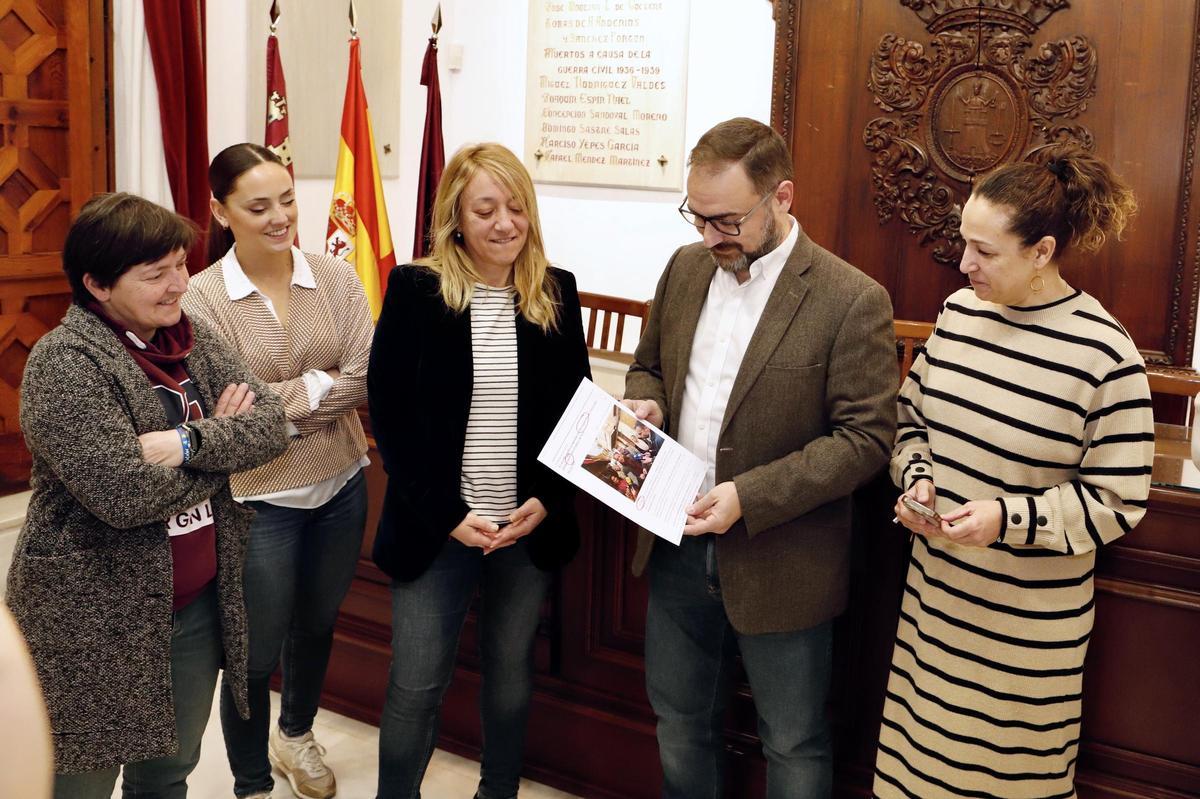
x: 223, y: 173
x: 1061, y: 191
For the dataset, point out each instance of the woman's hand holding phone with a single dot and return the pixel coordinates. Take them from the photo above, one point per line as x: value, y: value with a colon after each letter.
x: 914, y: 509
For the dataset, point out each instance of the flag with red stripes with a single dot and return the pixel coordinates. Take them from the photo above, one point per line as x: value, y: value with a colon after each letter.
x: 358, y: 222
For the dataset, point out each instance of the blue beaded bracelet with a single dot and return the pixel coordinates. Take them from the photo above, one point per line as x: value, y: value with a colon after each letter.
x: 186, y: 441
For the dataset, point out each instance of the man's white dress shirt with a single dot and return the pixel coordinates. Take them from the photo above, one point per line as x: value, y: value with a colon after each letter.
x: 727, y: 323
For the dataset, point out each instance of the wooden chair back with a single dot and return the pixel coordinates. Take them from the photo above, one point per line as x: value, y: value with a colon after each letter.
x: 604, y: 321
x: 909, y: 336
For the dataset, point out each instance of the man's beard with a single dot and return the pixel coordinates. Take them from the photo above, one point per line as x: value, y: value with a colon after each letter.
x: 742, y: 260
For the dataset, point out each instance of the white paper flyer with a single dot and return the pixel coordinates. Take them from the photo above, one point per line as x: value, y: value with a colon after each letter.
x: 629, y: 465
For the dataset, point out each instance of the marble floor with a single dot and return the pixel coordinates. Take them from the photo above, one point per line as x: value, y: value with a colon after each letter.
x: 351, y: 753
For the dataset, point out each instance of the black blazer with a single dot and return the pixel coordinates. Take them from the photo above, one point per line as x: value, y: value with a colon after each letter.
x: 419, y: 389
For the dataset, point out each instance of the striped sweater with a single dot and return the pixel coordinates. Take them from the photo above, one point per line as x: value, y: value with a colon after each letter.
x: 1048, y: 410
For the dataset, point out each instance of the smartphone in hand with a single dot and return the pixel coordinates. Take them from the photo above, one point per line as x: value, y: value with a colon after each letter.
x: 917, y: 507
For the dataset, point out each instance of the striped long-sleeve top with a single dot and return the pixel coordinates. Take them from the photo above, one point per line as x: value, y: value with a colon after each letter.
x: 489, y: 465
x: 1046, y: 409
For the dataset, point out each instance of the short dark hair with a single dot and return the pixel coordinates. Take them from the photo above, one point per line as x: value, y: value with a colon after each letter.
x: 757, y: 147
x: 115, y: 232
x: 223, y: 173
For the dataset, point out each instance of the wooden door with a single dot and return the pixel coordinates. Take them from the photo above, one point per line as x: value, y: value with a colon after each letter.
x: 54, y: 154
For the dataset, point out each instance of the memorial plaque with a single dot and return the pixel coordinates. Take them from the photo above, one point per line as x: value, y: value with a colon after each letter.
x: 607, y: 92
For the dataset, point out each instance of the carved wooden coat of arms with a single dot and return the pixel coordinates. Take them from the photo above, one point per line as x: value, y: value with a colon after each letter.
x: 979, y: 94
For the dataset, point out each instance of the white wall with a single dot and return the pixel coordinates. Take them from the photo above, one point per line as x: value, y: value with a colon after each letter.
x: 615, y: 241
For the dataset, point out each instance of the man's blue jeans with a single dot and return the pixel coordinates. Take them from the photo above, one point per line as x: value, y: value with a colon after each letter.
x: 690, y: 649
x: 195, y: 660
x: 299, y: 564
x: 427, y: 617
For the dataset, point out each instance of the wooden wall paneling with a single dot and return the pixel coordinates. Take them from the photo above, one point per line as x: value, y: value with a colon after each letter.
x: 1146, y: 119
x: 602, y: 646
x: 54, y: 154
x: 591, y: 730
x: 1144, y: 651
x: 1132, y: 75
x: 1148, y: 70
x: 1185, y: 292
x: 1142, y: 684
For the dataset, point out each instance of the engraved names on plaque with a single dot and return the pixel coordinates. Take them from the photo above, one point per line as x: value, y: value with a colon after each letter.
x: 606, y: 92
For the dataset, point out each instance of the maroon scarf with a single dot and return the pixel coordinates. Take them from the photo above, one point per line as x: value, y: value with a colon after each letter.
x: 162, y: 357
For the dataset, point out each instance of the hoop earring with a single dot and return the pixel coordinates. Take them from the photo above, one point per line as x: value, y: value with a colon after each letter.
x: 1037, y: 283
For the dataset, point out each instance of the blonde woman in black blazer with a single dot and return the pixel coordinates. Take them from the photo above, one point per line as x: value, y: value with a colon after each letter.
x: 477, y: 352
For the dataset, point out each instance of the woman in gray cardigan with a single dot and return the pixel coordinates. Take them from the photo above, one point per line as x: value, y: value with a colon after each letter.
x: 127, y: 576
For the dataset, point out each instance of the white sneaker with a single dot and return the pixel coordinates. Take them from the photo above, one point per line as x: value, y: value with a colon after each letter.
x: 300, y: 761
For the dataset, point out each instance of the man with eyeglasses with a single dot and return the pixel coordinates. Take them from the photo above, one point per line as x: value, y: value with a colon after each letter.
x: 774, y: 361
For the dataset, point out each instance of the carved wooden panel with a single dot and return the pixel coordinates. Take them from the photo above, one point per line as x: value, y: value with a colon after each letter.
x: 53, y: 155
x: 977, y: 96
x: 877, y: 100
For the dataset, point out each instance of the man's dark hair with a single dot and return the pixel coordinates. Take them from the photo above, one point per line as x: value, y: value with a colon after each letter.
x: 757, y: 147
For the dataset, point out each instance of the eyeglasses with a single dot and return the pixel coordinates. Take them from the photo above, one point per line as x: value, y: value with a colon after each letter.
x: 722, y: 226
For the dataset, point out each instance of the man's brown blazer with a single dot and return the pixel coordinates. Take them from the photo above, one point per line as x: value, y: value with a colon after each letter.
x: 811, y: 417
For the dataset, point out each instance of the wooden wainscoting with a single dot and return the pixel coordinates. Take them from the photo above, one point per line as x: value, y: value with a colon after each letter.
x: 591, y: 730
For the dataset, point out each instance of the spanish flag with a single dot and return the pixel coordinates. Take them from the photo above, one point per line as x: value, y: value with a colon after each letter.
x: 358, y: 222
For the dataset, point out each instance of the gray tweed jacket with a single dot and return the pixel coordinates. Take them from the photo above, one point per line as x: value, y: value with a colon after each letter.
x: 91, y: 583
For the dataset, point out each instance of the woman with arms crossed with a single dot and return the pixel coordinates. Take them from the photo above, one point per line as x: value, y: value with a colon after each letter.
x: 478, y: 351
x: 302, y: 324
x: 127, y: 576
x: 1026, y: 423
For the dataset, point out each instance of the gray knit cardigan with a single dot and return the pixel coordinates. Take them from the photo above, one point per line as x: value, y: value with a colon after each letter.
x: 91, y: 583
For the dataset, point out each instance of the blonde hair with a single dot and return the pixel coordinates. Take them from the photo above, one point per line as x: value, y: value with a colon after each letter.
x: 537, y: 291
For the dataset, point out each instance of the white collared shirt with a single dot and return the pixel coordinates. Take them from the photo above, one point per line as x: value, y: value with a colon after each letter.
x: 726, y: 325
x: 317, y: 381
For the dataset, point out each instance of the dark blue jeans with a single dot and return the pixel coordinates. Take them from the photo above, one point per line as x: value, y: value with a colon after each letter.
x: 427, y: 617
x: 195, y: 660
x: 299, y: 564
x: 690, y: 649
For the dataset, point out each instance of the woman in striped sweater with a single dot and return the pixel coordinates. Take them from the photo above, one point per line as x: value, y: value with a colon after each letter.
x: 478, y: 351
x: 302, y: 324
x: 1026, y: 424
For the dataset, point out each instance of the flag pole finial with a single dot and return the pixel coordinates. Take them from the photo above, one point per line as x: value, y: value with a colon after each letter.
x: 437, y: 20
x: 353, y: 21
x: 274, y: 16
